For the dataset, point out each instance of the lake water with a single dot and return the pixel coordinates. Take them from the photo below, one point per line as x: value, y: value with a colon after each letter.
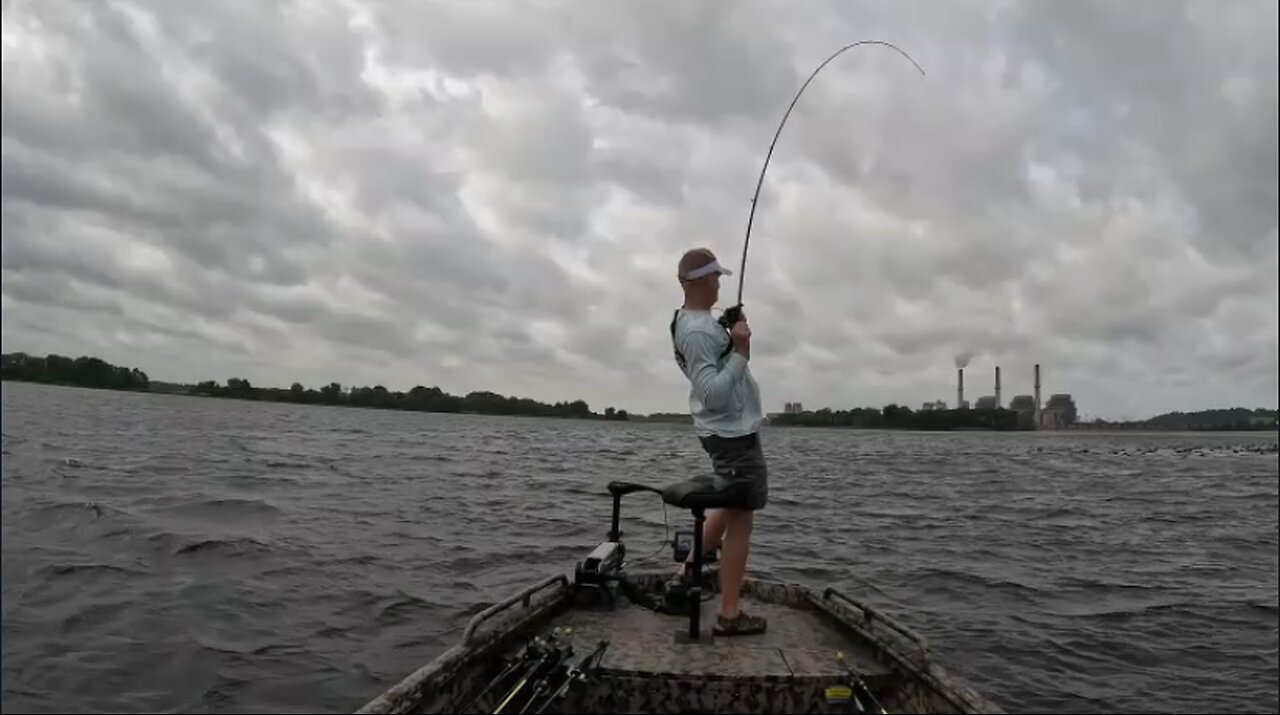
x: 194, y: 555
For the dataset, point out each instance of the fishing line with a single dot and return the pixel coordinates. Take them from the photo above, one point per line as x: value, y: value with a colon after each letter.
x: 734, y: 314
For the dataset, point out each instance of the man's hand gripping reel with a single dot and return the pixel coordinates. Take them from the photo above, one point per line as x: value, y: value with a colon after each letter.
x: 731, y: 316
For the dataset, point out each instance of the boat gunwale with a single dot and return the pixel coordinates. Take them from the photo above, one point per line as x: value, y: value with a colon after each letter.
x: 472, y: 648
x: 922, y: 665
x: 911, y: 652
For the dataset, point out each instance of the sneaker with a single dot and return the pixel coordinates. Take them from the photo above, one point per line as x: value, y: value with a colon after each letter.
x: 741, y: 625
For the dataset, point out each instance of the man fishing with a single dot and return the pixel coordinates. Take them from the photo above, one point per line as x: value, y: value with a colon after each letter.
x: 724, y: 401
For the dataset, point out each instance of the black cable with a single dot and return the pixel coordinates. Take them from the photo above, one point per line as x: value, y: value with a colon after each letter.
x: 666, y: 529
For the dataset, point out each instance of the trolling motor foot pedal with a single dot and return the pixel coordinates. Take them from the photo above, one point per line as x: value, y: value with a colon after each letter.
x: 676, y: 596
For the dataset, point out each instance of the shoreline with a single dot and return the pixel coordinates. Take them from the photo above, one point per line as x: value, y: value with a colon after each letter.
x: 668, y: 418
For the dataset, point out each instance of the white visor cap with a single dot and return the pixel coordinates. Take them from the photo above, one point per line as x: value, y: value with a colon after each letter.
x: 712, y: 267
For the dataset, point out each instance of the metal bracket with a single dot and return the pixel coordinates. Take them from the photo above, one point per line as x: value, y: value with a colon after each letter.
x: 525, y: 596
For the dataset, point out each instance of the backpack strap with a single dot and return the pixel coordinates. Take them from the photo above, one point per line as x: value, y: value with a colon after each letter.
x: 680, y: 359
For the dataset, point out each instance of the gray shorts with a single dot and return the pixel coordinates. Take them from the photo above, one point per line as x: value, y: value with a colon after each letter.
x: 741, y: 458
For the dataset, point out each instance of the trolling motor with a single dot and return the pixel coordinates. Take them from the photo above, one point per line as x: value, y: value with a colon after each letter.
x: 597, y: 578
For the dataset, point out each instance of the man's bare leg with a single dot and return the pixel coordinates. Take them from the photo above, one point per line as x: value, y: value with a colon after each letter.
x: 733, y: 565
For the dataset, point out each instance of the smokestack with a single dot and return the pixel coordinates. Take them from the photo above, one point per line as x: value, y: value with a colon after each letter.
x: 959, y: 387
x: 1037, y: 415
x: 998, y: 402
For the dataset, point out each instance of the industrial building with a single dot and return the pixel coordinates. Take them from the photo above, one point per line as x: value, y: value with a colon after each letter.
x: 1060, y: 412
x: 1025, y: 406
x: 1023, y: 403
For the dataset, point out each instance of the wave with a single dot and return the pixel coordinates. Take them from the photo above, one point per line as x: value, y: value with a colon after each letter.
x: 228, y: 509
x: 968, y: 577
x: 216, y: 646
x: 95, y: 616
x: 287, y: 464
x: 78, y: 514
x: 60, y: 570
x: 386, y: 607
x: 223, y: 547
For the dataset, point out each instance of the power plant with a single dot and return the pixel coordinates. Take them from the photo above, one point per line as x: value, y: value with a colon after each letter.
x: 1058, y: 413
x: 1037, y: 413
x: 998, y: 402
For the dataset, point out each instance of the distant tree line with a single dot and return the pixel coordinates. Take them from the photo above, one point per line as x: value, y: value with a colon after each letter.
x: 92, y: 372
x: 419, y: 399
x: 902, y: 417
x: 78, y: 372
x: 1236, y: 419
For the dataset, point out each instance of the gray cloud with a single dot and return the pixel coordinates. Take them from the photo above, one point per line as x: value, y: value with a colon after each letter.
x: 494, y: 197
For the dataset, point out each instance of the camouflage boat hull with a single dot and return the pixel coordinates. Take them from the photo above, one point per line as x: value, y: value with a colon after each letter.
x: 823, y: 652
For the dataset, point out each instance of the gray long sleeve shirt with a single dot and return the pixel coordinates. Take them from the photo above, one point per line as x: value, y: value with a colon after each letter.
x: 724, y: 398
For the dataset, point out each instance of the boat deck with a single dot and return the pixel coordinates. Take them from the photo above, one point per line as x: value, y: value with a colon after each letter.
x: 791, y: 667
x: 797, y: 643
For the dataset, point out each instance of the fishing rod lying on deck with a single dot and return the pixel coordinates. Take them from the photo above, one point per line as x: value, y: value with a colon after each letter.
x: 734, y: 314
x: 532, y: 650
x: 579, y: 673
x: 546, y: 663
x: 535, y: 670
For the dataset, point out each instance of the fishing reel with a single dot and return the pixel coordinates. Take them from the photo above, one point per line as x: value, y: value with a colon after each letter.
x: 731, y: 315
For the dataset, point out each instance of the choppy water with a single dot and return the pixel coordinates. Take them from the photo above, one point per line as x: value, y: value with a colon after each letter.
x: 178, y: 554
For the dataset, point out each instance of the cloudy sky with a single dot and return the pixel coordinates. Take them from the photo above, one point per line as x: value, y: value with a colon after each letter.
x: 494, y: 195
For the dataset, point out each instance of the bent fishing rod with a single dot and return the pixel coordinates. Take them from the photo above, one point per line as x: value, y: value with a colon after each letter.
x: 734, y: 314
